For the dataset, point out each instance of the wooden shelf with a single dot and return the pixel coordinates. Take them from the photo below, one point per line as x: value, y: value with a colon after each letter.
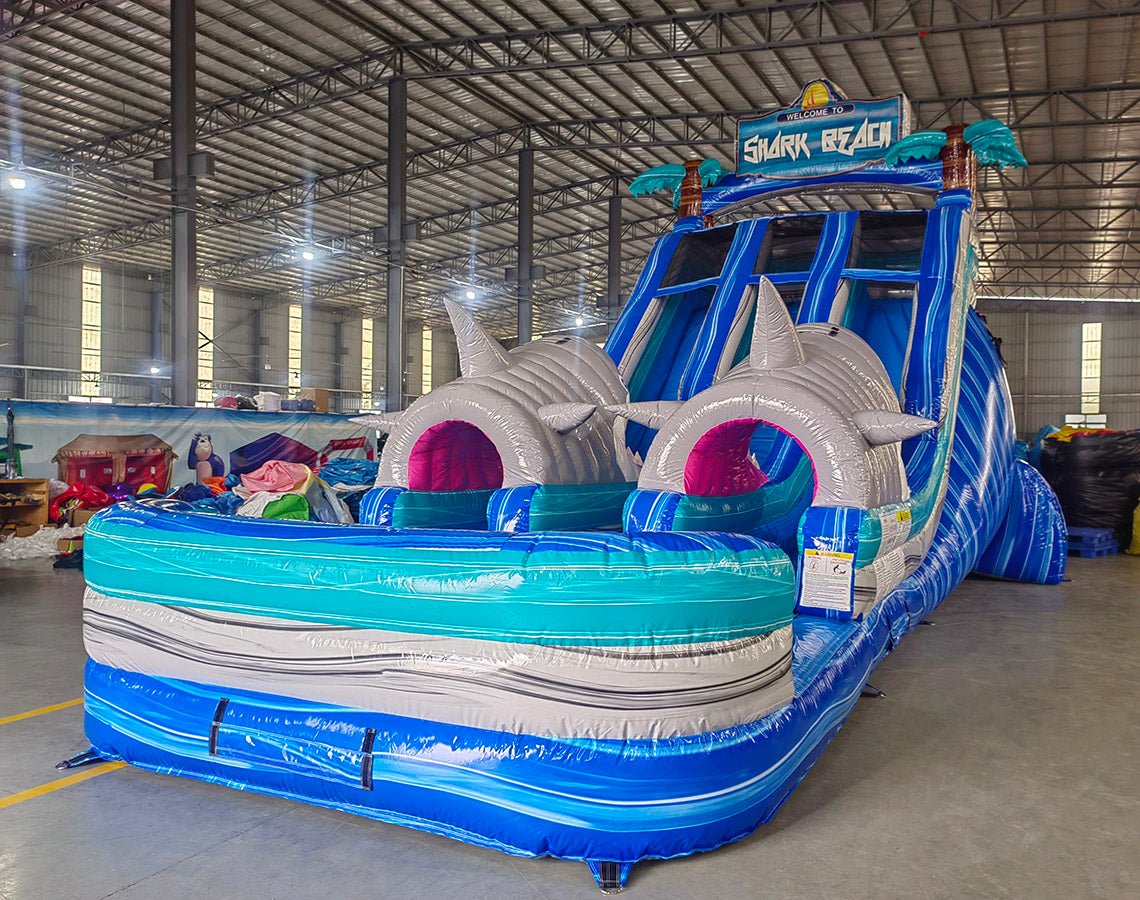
x: 25, y: 511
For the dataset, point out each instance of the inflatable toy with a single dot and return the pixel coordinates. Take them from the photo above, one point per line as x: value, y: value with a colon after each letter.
x: 202, y: 458
x: 608, y: 604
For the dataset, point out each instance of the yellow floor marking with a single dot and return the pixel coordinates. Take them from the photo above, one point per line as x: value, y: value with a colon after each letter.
x: 39, y: 712
x: 31, y: 793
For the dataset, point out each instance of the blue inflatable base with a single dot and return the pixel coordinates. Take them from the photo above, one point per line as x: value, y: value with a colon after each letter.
x: 592, y: 800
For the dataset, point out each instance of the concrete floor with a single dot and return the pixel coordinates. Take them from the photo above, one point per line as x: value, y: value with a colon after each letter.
x: 1002, y: 763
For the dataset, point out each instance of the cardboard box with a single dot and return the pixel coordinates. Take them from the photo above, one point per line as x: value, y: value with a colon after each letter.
x: 80, y: 516
x: 69, y: 545
x: 319, y: 396
x: 26, y: 530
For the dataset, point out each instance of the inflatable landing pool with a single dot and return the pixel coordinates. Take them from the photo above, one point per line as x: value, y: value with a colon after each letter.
x: 608, y: 604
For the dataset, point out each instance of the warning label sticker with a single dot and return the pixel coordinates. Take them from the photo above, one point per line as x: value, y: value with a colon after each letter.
x: 828, y: 580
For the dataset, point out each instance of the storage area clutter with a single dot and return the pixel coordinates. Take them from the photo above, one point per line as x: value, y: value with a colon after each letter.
x: 273, y: 461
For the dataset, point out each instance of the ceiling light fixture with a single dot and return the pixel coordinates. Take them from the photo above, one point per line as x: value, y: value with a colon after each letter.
x: 470, y: 295
x: 308, y: 255
x: 17, y: 182
x: 578, y: 321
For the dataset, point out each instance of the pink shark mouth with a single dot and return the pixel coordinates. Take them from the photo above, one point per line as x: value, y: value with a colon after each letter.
x: 454, y: 456
x: 720, y: 463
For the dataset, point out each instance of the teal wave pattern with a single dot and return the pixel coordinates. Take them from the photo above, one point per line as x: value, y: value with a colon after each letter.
x: 563, y: 589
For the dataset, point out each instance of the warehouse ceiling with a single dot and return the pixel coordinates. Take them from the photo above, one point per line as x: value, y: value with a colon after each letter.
x: 292, y: 108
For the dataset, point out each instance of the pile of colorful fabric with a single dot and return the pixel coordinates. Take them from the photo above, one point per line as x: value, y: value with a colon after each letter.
x: 350, y: 478
x: 276, y: 490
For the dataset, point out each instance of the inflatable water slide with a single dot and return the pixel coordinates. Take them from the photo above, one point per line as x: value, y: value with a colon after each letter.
x: 612, y: 603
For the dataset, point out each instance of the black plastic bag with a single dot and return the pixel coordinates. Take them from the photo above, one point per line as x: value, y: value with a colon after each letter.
x: 1096, y: 478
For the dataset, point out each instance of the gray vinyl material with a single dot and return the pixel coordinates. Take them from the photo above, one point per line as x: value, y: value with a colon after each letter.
x: 590, y: 692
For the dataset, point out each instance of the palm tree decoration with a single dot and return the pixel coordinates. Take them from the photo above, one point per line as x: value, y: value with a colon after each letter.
x: 994, y: 145
x: 669, y: 177
x: 991, y: 141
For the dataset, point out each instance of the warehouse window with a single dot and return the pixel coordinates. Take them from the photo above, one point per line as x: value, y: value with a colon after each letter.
x: 205, y: 345
x: 366, y: 363
x: 295, y: 345
x: 91, y: 337
x: 1090, y: 368
x: 425, y: 362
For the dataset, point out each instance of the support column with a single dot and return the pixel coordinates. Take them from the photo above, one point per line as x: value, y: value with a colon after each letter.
x: 20, y: 296
x: 338, y: 355
x: 22, y: 383
x: 613, y: 260
x: 397, y: 211
x: 156, y: 338
x: 183, y: 256
x: 257, y: 336
x: 526, y: 244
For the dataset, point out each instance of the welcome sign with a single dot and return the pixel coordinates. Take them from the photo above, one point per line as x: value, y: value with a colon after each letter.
x: 823, y: 133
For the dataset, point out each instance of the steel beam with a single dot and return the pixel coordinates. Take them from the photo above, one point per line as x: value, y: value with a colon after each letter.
x: 183, y: 281
x: 694, y: 129
x: 1028, y: 109
x: 397, y: 212
x: 18, y: 18
x: 751, y: 28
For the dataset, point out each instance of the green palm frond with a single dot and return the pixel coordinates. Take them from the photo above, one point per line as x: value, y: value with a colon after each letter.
x: 922, y: 145
x: 711, y: 172
x: 660, y: 178
x: 993, y: 144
